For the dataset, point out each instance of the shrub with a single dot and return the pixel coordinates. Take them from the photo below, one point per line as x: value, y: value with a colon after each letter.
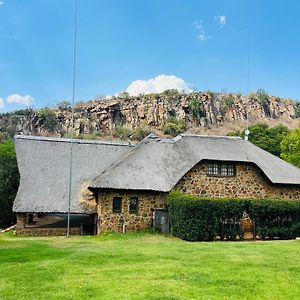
x: 264, y: 100
x: 226, y: 102
x: 275, y: 218
x: 139, y: 133
x: 203, y: 219
x: 121, y: 132
x: 297, y: 110
x: 173, y: 126
x: 47, y: 119
x: 196, y: 108
x: 64, y: 105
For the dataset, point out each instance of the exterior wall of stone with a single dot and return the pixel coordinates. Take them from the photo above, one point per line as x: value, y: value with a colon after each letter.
x: 35, y: 231
x: 248, y: 182
x: 24, y: 229
x: 142, y: 219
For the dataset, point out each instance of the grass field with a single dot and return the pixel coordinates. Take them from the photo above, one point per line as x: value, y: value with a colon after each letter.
x: 145, y: 266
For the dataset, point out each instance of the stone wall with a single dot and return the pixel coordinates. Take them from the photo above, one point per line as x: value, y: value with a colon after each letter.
x: 248, y: 182
x: 23, y: 228
x: 35, y: 231
x: 147, y: 200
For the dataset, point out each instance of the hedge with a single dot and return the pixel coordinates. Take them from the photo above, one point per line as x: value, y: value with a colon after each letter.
x: 275, y: 218
x: 205, y: 219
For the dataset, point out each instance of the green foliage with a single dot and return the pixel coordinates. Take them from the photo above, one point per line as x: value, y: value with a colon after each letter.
x: 125, y: 133
x: 265, y: 137
x: 9, y: 182
x: 226, y: 103
x: 124, y: 95
x: 297, y: 110
x: 196, y: 108
x: 290, y: 147
x: 173, y: 126
x: 275, y: 218
x: 47, y: 119
x: 203, y: 219
x: 139, y: 133
x: 172, y: 92
x: 64, y: 105
x: 264, y: 99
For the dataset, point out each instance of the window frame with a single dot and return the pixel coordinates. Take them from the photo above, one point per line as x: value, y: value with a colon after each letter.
x: 131, y: 211
x: 216, y: 169
x: 114, y: 210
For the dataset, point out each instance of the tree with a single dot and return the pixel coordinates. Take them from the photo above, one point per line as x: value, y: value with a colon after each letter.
x: 290, y: 147
x: 9, y: 182
x: 266, y: 138
x: 196, y: 108
x: 173, y: 126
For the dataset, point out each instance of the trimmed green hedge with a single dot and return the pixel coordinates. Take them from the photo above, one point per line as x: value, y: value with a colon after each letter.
x: 204, y: 219
x: 275, y: 218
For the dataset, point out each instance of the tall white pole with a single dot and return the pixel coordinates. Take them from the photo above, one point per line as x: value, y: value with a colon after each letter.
x: 72, y: 119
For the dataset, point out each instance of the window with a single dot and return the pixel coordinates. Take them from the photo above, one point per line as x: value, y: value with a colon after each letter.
x: 220, y: 169
x: 117, y: 204
x: 133, y: 206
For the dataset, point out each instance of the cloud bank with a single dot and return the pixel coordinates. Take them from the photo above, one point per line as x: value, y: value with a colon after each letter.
x: 16, y: 98
x: 157, y: 85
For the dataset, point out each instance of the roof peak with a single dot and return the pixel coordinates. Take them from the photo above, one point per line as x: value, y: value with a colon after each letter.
x: 68, y: 140
x: 211, y: 136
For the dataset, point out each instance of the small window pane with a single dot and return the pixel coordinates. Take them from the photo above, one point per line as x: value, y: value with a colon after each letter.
x: 220, y: 169
x: 117, y: 204
x: 224, y: 170
x: 230, y: 170
x: 133, y: 207
x: 212, y: 169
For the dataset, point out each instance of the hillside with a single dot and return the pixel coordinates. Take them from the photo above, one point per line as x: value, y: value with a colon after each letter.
x: 123, y: 116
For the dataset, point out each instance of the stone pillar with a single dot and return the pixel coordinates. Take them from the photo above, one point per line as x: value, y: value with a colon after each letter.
x: 21, y: 220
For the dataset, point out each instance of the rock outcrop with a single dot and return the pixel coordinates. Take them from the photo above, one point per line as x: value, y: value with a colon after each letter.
x: 197, y: 110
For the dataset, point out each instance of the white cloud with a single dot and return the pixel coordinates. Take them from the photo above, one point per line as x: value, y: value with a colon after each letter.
x: 157, y: 85
x: 1, y: 3
x: 1, y: 102
x: 16, y: 98
x: 222, y: 20
x: 202, y: 36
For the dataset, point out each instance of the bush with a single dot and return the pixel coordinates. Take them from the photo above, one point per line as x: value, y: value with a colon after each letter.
x: 203, y: 219
x: 139, y: 133
x: 226, y: 103
x: 275, y: 218
x: 297, y: 110
x: 47, y: 119
x: 64, y: 105
x: 196, y: 108
x: 173, y: 126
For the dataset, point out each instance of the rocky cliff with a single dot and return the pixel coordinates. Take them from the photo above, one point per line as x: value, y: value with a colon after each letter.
x: 198, y: 111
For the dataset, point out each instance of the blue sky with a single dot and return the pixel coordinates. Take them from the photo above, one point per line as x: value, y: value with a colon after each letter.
x: 202, y: 42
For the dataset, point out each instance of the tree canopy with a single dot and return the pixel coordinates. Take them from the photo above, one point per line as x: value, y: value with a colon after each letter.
x: 9, y: 182
x: 290, y: 147
x: 265, y: 137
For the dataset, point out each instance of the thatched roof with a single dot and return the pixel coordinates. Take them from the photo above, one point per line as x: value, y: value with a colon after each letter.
x: 158, y: 164
x: 44, y: 169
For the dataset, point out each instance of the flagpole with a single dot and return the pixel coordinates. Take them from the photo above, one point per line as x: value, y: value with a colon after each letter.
x: 72, y: 119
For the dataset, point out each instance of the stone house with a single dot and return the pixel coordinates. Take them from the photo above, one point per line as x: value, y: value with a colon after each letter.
x: 121, y: 186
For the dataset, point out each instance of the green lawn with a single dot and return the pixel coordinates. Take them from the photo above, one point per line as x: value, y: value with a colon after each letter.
x: 145, y: 266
